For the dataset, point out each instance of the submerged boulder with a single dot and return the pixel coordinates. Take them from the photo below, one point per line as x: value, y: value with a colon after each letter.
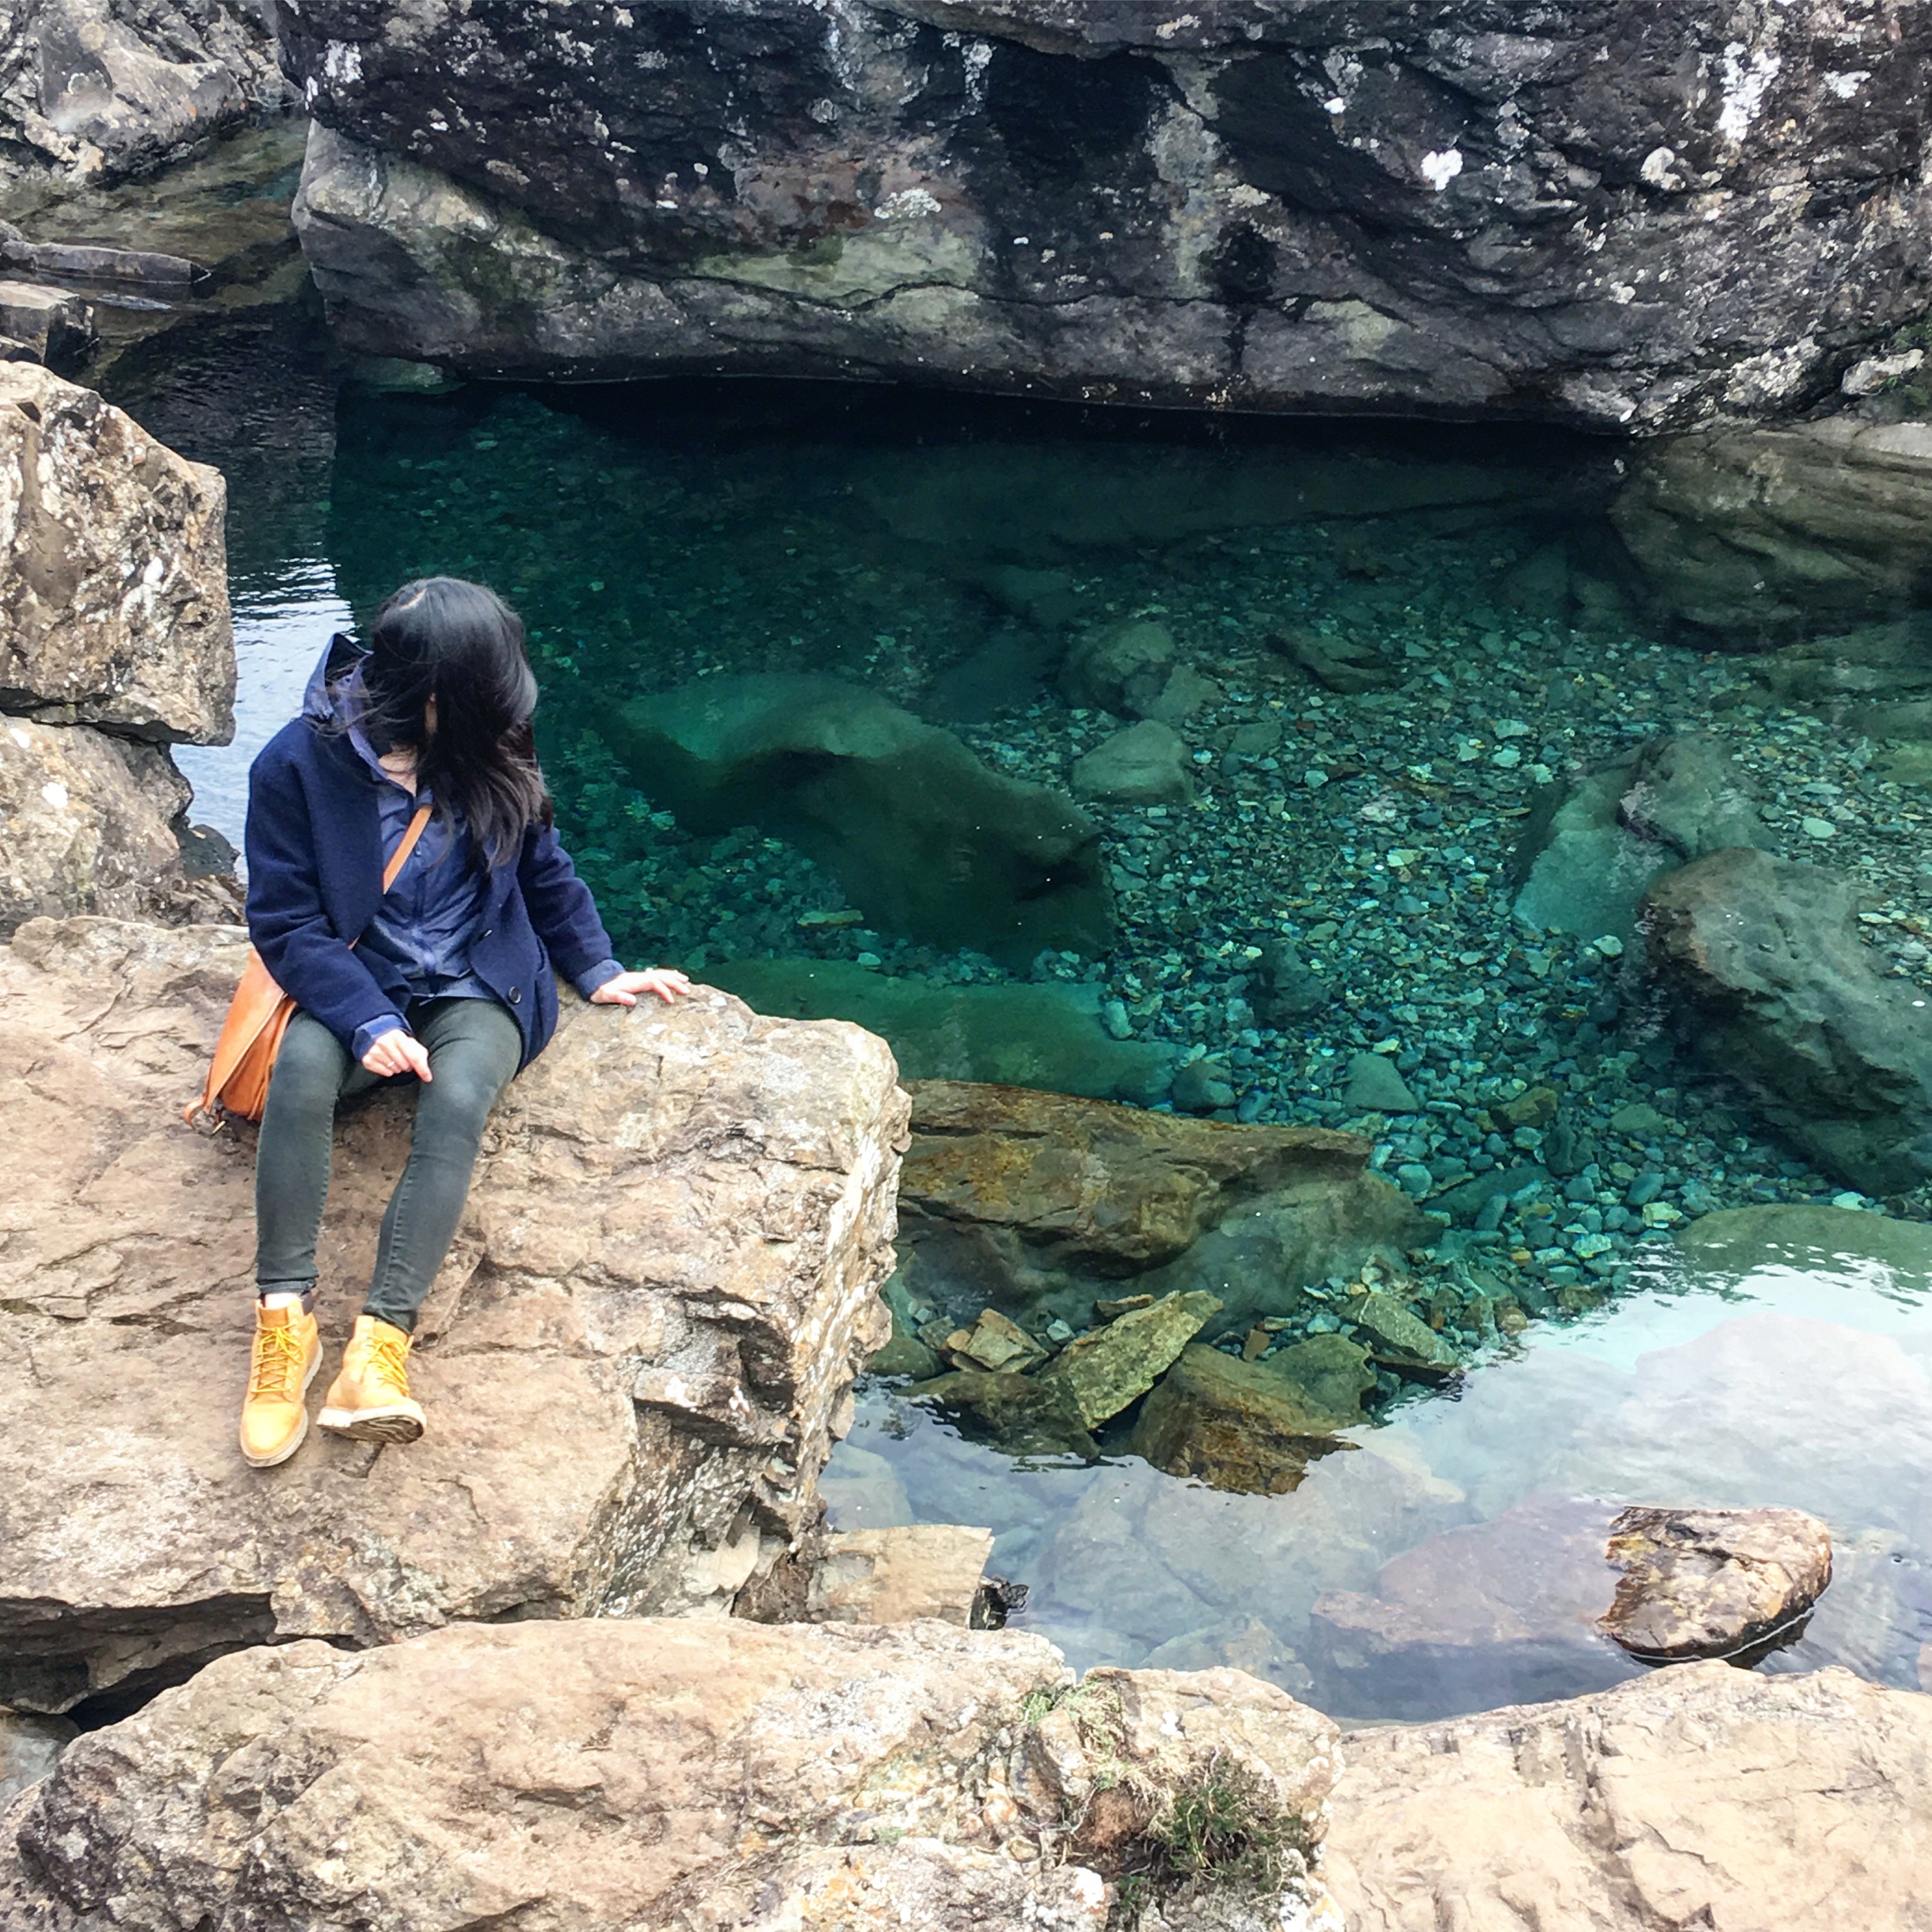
x: 1146, y: 764
x: 634, y: 1362
x: 1751, y: 535
x: 1876, y: 682
x: 1703, y: 1795
x: 1110, y: 1367
x: 921, y: 835
x: 1233, y: 1425
x: 1763, y: 954
x: 710, y: 1772
x: 1047, y: 1035
x: 114, y: 608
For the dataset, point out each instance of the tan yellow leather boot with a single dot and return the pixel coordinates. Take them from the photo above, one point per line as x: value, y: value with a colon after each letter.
x: 369, y: 1401
x: 274, y: 1416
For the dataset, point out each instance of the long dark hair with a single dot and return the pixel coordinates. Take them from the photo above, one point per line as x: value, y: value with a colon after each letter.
x: 441, y: 637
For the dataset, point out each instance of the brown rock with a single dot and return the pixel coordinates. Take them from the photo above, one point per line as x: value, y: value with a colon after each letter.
x: 898, y: 1576
x: 114, y: 603
x: 1702, y: 1582
x: 1765, y: 955
x: 1025, y: 1413
x: 706, y: 1772
x: 1703, y: 1796
x: 1094, y: 1183
x: 1107, y: 1368
x: 1235, y: 1425
x: 634, y: 1362
x: 1332, y: 1373
x: 995, y: 1341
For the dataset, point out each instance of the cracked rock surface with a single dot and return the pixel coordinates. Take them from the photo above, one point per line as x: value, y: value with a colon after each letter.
x: 1625, y: 215
x: 634, y: 1361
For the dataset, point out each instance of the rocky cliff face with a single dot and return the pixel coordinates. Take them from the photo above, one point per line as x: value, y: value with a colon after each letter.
x: 635, y: 1362
x: 1618, y: 214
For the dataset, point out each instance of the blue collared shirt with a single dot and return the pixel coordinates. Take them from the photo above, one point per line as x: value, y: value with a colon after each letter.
x: 428, y: 920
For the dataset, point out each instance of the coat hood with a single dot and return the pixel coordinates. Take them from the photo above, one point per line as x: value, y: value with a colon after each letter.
x: 322, y: 699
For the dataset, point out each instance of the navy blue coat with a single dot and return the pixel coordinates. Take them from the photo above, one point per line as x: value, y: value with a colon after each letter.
x: 315, y: 876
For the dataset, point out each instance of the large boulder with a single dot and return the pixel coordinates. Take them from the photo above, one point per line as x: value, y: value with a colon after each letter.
x: 78, y: 831
x: 1874, y: 682
x: 114, y: 608
x: 1699, y: 1796
x: 1764, y: 954
x: 97, y: 91
x: 634, y: 1361
x: 581, y: 1776
x: 1749, y: 536
x: 1044, y: 1202
x: 922, y: 837
x: 1047, y: 1034
x: 1621, y: 218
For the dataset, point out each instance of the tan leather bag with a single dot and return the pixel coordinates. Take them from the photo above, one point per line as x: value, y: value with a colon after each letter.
x: 258, y: 1016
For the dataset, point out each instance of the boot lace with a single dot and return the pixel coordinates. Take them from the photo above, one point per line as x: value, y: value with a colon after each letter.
x: 277, y: 1365
x: 389, y: 1362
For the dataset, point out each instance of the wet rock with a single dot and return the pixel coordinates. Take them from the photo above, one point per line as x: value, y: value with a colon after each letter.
x: 1704, y: 1794
x: 1374, y: 1087
x: 1764, y: 954
x: 1291, y: 990
x: 30, y: 1747
x: 1106, y: 1369
x: 1719, y: 1583
x: 99, y: 94
x: 82, y: 834
x: 1752, y: 535
x: 969, y: 248
x: 995, y: 1342
x: 1876, y: 681
x: 1025, y: 1414
x: 1004, y: 675
x: 52, y: 326
x: 1047, y: 599
x: 1050, y: 1036
x: 905, y: 1354
x: 1122, y: 668
x: 1185, y: 692
x: 1398, y: 1337
x: 1336, y: 662
x: 1202, y: 1086
x: 1145, y: 764
x: 898, y: 1576
x: 1233, y: 1425
x: 923, y: 836
x: 634, y: 1362
x: 114, y: 609
x: 1591, y: 845
x: 1475, y: 1615
x: 1331, y: 1372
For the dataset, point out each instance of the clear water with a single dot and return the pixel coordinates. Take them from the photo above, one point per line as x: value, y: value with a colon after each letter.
x: 662, y: 535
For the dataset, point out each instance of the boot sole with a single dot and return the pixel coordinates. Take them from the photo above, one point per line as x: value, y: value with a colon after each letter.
x: 372, y: 1425
x: 300, y: 1435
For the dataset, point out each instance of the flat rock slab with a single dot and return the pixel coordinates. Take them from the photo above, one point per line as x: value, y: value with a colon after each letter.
x: 1700, y: 1796
x: 633, y: 1362
x: 1700, y: 1582
x: 589, y: 1776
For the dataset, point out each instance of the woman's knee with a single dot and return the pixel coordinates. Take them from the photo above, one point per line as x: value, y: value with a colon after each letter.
x: 309, y: 1067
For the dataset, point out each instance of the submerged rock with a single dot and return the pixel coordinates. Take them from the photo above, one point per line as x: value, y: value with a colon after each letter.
x: 1700, y: 1582
x: 1877, y: 682
x: 1764, y: 954
x: 114, y: 608
x: 1146, y: 764
x: 1374, y: 1087
x: 1233, y: 1425
x: 1398, y: 1337
x: 711, y: 1771
x: 1109, y: 1367
x: 1110, y: 203
x: 923, y: 836
x: 1049, y: 1036
x: 1752, y: 535
x: 1703, y: 1795
x: 1122, y: 667
x: 634, y: 1362
x: 1026, y: 1414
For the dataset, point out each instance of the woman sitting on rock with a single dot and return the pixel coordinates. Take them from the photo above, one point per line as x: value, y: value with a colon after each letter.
x: 445, y: 980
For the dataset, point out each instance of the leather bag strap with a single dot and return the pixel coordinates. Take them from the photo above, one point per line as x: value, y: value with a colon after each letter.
x: 400, y: 856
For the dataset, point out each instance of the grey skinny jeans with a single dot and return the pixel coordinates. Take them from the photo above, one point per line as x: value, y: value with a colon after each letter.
x: 474, y: 1047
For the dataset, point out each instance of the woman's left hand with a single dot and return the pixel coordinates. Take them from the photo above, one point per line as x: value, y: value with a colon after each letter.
x: 622, y: 990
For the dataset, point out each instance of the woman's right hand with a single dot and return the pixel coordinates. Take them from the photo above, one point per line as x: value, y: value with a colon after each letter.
x: 396, y: 1052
